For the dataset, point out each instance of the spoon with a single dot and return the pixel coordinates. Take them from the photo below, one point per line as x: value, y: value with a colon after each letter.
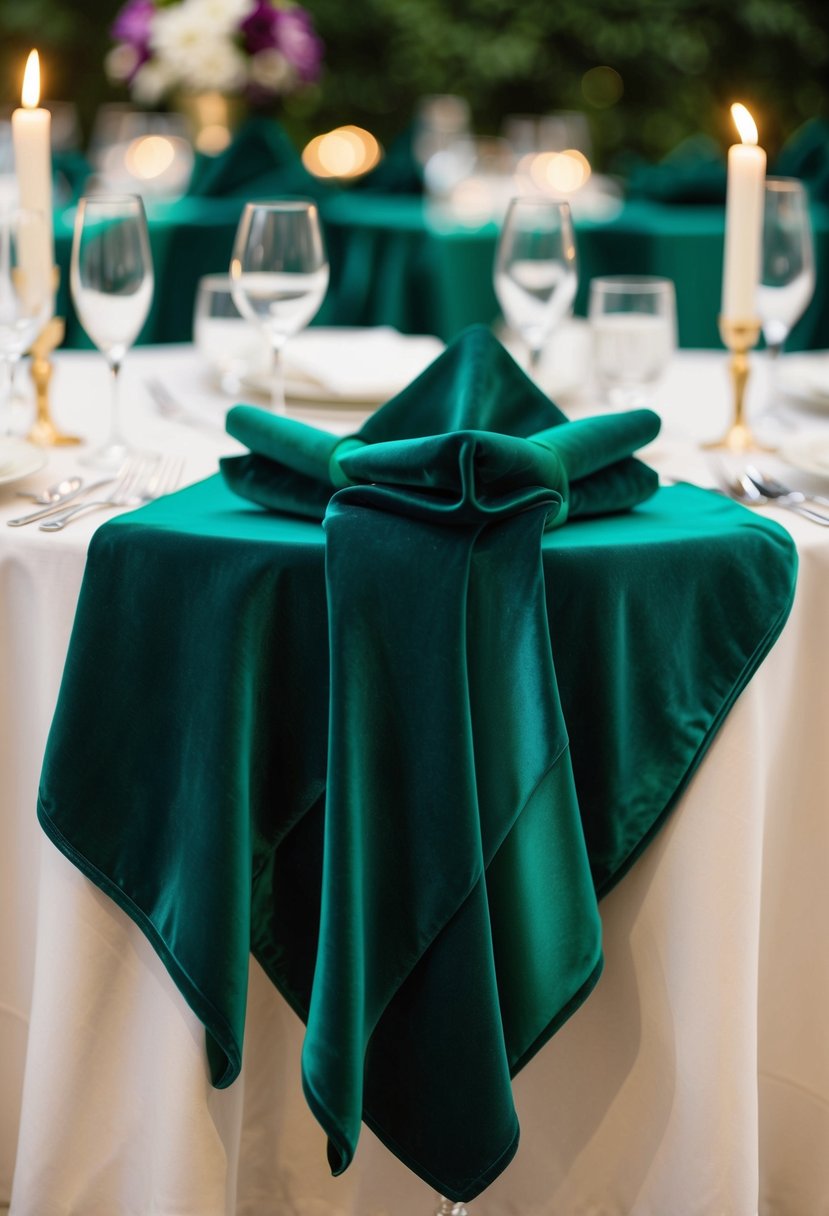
x: 773, y: 488
x: 742, y: 489
x: 55, y: 493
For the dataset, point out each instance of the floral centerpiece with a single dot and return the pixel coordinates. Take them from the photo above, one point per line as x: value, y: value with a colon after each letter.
x: 256, y: 49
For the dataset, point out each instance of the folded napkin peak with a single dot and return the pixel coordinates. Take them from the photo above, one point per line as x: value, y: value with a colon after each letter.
x: 472, y: 434
x: 475, y: 384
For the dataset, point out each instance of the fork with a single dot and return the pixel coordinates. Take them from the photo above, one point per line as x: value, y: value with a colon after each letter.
x: 141, y: 482
x: 773, y: 488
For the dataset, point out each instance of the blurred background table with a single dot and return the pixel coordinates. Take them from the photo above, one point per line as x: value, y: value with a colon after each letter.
x: 397, y: 260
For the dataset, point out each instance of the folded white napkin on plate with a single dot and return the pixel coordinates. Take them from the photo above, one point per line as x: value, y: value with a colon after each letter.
x: 365, y: 365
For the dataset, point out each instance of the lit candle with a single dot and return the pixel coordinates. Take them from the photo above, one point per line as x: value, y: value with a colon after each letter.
x: 31, y: 133
x: 743, y: 220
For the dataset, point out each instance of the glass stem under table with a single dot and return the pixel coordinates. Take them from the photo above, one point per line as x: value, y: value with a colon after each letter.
x: 448, y: 1207
x: 277, y: 379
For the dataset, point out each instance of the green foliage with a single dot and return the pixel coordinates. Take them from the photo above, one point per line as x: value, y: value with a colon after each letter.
x: 681, y: 62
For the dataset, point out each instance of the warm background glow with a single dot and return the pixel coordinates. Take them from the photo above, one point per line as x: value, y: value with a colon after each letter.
x: 344, y: 152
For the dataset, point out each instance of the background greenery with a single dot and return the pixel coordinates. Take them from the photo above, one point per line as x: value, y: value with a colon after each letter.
x: 680, y: 62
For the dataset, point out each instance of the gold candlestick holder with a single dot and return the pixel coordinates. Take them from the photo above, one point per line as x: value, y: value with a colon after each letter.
x: 740, y: 337
x: 44, y: 432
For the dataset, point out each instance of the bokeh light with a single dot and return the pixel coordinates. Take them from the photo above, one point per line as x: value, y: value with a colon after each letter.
x: 345, y: 152
x: 602, y: 87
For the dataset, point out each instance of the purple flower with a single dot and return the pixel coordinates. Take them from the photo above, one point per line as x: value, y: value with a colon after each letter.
x: 259, y: 28
x: 132, y: 25
x: 289, y: 31
x: 297, y: 39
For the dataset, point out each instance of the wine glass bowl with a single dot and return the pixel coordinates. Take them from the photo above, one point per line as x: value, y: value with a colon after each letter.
x: 25, y: 289
x: 111, y: 281
x: 633, y: 328
x: 279, y: 273
x: 787, y: 278
x: 535, y: 270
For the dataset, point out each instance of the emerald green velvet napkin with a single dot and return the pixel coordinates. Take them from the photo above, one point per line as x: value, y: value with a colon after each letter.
x: 260, y: 161
x: 806, y: 155
x: 693, y: 173
x: 251, y: 753
x: 470, y: 430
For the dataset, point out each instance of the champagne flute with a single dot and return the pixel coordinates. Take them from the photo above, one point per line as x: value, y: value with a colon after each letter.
x: 787, y: 276
x: 111, y: 280
x: 535, y: 270
x: 25, y: 290
x: 279, y: 274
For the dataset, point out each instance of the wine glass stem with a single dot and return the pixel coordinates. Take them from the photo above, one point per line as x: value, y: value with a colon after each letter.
x: 6, y: 384
x: 277, y: 382
x: 116, y: 439
x: 773, y: 350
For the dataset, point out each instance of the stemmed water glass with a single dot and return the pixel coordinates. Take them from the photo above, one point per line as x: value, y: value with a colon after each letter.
x: 25, y: 289
x: 535, y: 270
x: 279, y: 274
x: 787, y: 277
x: 111, y: 280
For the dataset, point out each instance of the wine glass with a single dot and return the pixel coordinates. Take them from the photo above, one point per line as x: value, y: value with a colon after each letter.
x: 633, y: 325
x: 787, y: 276
x: 25, y: 289
x: 279, y: 274
x: 535, y: 270
x: 111, y: 280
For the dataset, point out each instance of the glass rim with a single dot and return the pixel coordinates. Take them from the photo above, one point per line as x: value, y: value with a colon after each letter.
x: 539, y: 200
x: 634, y: 283
x: 283, y: 204
x: 794, y: 184
x: 86, y: 199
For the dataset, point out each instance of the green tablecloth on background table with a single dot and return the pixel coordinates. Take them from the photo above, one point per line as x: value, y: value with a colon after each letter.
x: 414, y: 859
x: 392, y: 265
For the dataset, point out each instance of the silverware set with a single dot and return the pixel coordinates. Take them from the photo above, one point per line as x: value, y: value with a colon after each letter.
x: 139, y: 481
x: 756, y: 489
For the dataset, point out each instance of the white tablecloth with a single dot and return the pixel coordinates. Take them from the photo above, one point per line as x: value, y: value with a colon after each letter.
x: 695, y: 1080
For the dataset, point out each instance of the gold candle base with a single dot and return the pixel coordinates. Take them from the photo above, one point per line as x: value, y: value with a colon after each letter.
x: 44, y: 432
x: 740, y: 337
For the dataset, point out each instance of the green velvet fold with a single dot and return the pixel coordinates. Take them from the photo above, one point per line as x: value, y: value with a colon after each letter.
x: 461, y: 430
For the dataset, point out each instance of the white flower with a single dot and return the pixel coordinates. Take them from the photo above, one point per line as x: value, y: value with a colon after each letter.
x: 152, y: 80
x: 193, y: 51
x: 120, y: 61
x: 177, y: 31
x: 221, y: 16
x: 215, y: 64
x: 272, y: 71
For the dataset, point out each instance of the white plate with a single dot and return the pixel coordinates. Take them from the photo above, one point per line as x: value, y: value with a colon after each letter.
x: 18, y: 459
x: 349, y: 366
x: 805, y: 378
x: 809, y: 453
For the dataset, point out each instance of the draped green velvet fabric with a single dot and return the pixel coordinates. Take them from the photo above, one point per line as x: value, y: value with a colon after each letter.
x: 400, y: 756
x: 693, y: 173
x: 260, y: 162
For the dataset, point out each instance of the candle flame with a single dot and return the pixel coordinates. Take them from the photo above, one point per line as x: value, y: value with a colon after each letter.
x: 744, y: 123
x: 31, y: 81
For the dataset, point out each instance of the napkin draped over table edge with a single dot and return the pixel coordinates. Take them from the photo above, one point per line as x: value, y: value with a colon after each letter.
x: 412, y: 681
